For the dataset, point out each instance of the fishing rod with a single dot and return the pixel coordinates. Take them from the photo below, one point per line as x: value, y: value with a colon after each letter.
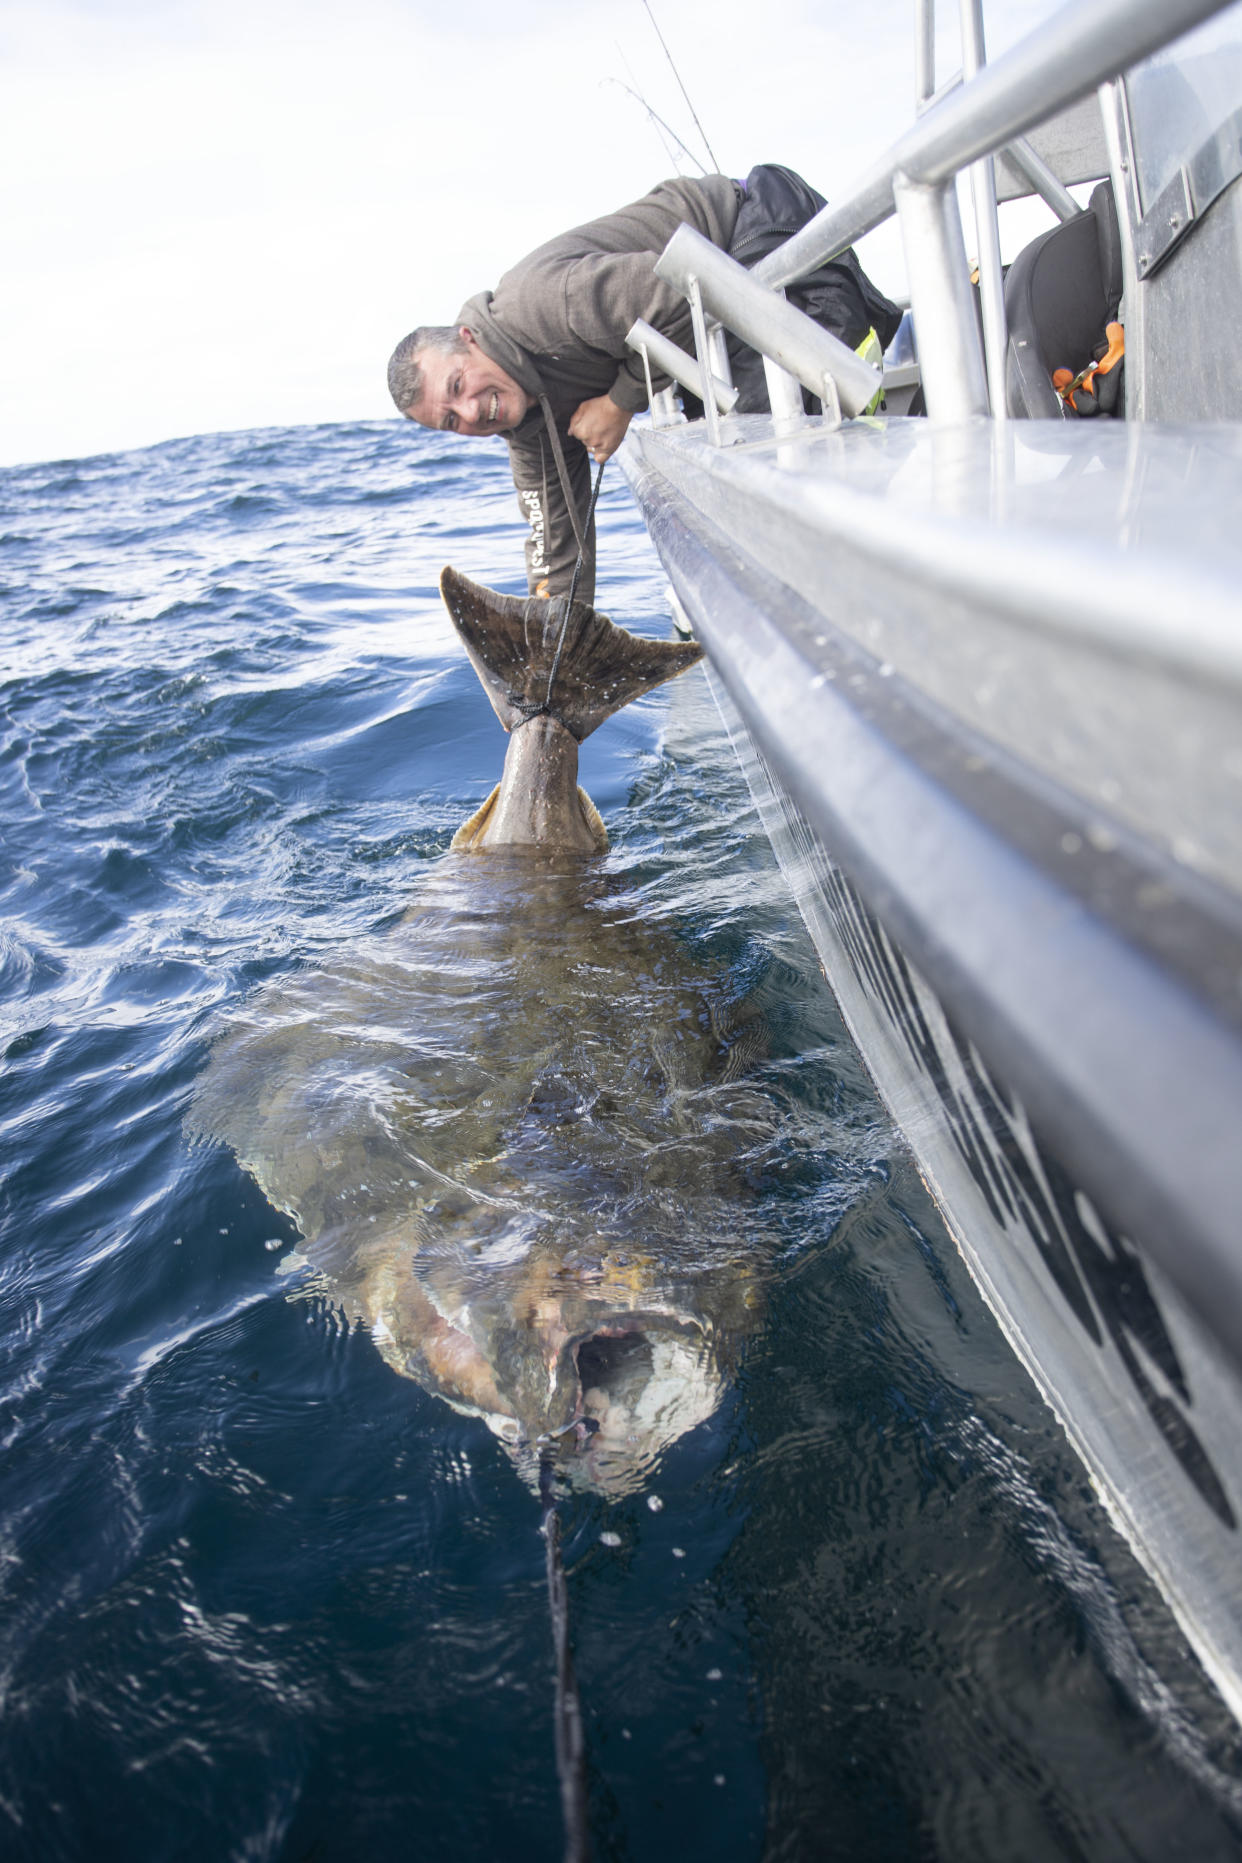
x: 660, y: 124
x: 685, y: 93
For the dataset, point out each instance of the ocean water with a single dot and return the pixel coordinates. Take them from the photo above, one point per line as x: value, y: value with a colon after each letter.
x: 263, y: 1598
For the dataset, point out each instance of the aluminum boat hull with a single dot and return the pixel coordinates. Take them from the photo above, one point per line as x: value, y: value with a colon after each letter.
x: 986, y: 685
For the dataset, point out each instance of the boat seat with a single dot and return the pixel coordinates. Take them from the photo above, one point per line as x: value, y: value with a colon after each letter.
x: 1060, y: 292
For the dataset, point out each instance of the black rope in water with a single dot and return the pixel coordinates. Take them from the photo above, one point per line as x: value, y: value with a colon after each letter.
x: 569, y: 600
x: 570, y: 1742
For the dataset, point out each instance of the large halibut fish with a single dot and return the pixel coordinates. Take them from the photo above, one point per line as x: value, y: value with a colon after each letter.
x: 512, y: 1128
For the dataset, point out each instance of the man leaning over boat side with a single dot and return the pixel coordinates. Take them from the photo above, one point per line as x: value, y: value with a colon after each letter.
x: 543, y: 359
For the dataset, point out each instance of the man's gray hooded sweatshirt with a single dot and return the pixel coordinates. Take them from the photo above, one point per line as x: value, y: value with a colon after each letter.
x: 557, y: 323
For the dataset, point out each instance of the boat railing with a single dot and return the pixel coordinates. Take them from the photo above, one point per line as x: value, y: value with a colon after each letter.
x: 1087, y: 45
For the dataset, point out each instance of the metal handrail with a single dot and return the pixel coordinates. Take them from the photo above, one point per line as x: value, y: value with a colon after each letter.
x: 1074, y: 52
x: 766, y: 321
x: 1087, y: 44
x: 987, y: 227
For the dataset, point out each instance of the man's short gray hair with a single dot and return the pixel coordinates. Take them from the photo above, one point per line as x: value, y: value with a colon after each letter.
x: 405, y: 377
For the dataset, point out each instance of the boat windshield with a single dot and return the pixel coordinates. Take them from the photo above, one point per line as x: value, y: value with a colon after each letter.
x: 1181, y: 98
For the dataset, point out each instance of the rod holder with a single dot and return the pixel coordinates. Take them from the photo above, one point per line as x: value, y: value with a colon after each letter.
x: 732, y: 295
x: 669, y: 358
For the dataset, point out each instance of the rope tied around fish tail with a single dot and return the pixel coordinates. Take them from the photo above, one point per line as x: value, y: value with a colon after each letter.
x: 570, y: 1740
x: 543, y: 709
x: 573, y: 584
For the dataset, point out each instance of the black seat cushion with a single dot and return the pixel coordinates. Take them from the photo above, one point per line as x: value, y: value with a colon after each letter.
x: 1060, y: 292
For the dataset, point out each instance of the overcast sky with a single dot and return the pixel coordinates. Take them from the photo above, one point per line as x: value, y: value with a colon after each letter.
x: 223, y: 213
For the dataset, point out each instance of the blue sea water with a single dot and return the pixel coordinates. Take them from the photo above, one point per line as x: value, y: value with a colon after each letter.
x: 262, y: 1598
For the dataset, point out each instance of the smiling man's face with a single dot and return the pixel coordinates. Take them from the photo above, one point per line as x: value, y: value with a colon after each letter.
x: 467, y: 392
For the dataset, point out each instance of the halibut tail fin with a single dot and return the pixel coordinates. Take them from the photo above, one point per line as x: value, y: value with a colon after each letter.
x: 472, y: 834
x: 512, y: 642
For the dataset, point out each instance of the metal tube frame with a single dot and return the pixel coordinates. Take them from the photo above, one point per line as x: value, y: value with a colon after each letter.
x: 718, y: 348
x: 1118, y: 134
x: 987, y: 227
x: 698, y: 319
x: 1026, y: 159
x: 1042, y: 179
x: 1073, y: 53
x: 785, y: 397
x: 924, y: 51
x: 664, y: 409
x: 1089, y: 43
x: 951, y: 84
x: 954, y: 380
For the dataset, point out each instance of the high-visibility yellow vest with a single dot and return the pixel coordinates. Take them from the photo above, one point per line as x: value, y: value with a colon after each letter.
x: 872, y: 350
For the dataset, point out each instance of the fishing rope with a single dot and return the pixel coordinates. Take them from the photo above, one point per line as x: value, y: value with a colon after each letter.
x: 590, y: 516
x: 569, y: 600
x: 570, y: 1741
x: 562, y: 470
x: 527, y: 707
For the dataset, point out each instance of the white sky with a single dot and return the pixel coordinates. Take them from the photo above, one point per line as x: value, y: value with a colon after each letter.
x: 224, y: 213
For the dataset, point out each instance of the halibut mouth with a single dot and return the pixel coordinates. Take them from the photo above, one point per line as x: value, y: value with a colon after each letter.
x: 625, y: 1392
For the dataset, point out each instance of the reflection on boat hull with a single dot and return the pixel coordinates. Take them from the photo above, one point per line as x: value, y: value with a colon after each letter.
x: 1147, y: 1401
